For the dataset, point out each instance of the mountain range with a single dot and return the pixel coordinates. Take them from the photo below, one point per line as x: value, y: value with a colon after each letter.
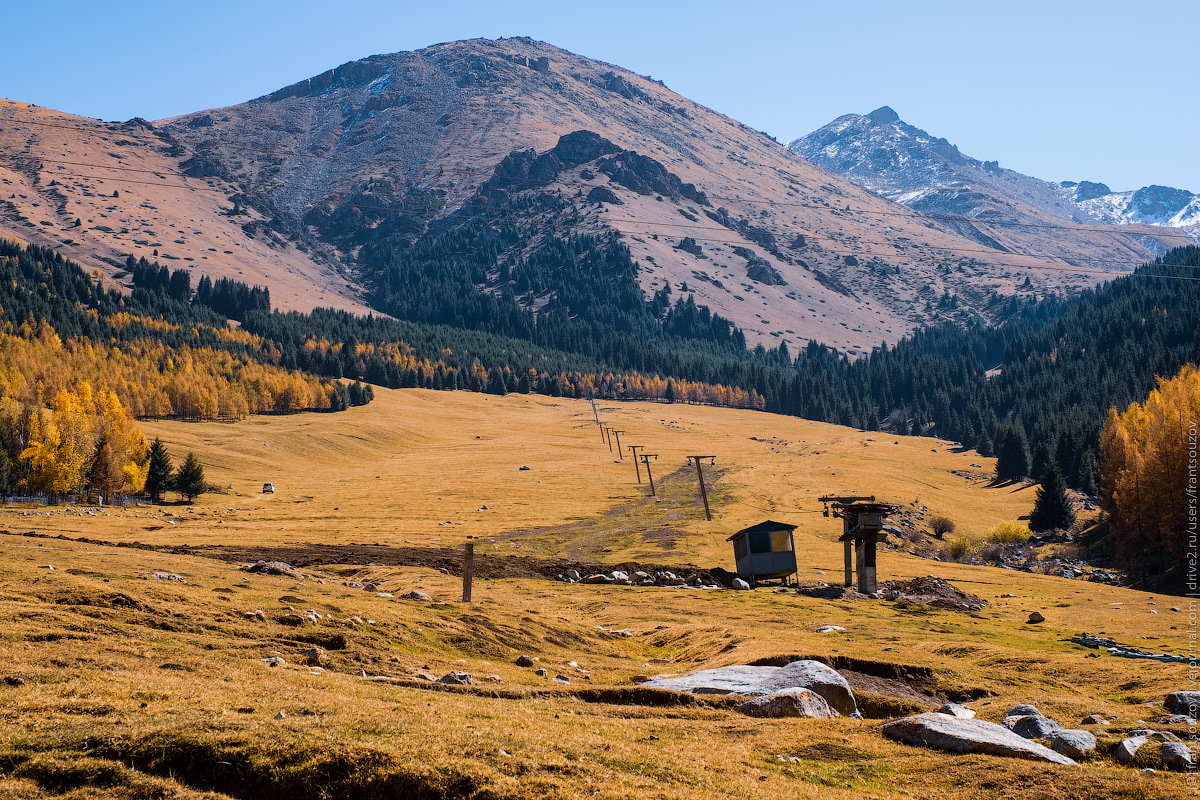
x: 905, y: 164
x: 321, y: 188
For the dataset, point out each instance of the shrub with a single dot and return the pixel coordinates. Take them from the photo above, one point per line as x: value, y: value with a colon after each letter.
x: 941, y: 526
x: 960, y: 548
x: 1009, y: 533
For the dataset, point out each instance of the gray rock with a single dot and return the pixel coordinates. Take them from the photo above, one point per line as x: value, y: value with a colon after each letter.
x: 738, y: 583
x: 525, y: 661
x: 274, y: 568
x: 314, y: 657
x: 417, y: 594
x: 1072, y: 743
x: 425, y: 676
x: 757, y: 681
x: 1127, y: 749
x: 829, y: 629
x: 958, y: 735
x: 597, y: 578
x: 617, y: 575
x: 1183, y: 703
x: 541, y: 672
x: 457, y: 678
x: 1032, y: 727
x: 788, y: 703
x: 1177, y: 756
x: 1023, y: 710
x: 957, y: 710
x: 1093, y: 719
x: 1036, y: 617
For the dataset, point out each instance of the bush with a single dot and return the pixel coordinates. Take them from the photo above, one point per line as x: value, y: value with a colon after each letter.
x: 1009, y: 533
x: 941, y: 526
x: 960, y: 548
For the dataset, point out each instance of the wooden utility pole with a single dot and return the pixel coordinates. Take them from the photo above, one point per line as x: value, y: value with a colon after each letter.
x: 618, y: 435
x: 592, y: 400
x: 468, y: 570
x: 608, y: 436
x: 633, y: 448
x: 646, y: 460
x: 700, y: 475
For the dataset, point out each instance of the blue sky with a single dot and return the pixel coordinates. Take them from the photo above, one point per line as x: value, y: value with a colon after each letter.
x: 1100, y: 90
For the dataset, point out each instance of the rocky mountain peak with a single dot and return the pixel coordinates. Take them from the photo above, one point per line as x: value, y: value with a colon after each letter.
x: 884, y: 115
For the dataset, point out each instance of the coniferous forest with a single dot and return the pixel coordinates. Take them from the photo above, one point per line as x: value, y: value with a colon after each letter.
x: 1051, y: 371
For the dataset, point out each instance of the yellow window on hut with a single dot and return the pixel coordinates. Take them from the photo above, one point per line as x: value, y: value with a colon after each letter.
x: 780, y: 541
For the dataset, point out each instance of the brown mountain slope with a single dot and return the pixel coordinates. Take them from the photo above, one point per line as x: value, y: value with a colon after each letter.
x: 797, y: 254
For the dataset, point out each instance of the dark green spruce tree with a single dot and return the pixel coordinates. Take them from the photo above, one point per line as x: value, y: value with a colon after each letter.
x: 161, y: 472
x: 1052, y: 509
x: 189, y: 481
x: 1012, y: 453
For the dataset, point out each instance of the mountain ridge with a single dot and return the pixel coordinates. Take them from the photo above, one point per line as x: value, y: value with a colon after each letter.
x: 915, y: 168
x: 285, y: 190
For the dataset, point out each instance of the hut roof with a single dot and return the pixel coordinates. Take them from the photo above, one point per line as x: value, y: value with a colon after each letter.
x: 768, y: 525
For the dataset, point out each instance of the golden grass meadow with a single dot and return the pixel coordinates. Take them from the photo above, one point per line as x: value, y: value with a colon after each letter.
x: 122, y: 684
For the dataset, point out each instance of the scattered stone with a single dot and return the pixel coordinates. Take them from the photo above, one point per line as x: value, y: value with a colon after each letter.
x: 1072, y: 743
x: 525, y: 661
x: 1093, y: 719
x: 457, y: 678
x: 738, y: 583
x: 416, y: 594
x: 597, y: 578
x: 1037, y: 617
x: 757, y: 681
x: 495, y: 678
x: 957, y: 710
x: 1127, y: 749
x: 275, y: 661
x: 46, y: 566
x: 958, y: 735
x: 1032, y: 726
x: 561, y: 679
x: 14, y: 681
x: 1177, y: 719
x: 281, y: 715
x: 541, y: 672
x: 314, y: 657
x: 829, y: 629
x: 1023, y: 710
x: 1187, y: 703
x: 788, y: 703
x: 1177, y: 756
x: 523, y: 469
x: 425, y: 676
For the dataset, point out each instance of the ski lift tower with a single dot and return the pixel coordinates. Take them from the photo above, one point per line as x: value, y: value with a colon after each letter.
x: 863, y: 529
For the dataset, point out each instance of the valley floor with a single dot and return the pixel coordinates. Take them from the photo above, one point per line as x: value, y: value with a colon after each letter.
x: 140, y: 664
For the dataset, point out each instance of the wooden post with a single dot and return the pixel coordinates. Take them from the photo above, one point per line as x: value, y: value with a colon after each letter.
x: 468, y: 570
x: 849, y: 562
x: 617, y: 434
x: 608, y: 433
x: 646, y: 460
x: 703, y: 493
x: 633, y: 448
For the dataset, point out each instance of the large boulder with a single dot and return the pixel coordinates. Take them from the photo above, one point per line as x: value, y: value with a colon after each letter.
x: 1187, y: 703
x: 1127, y: 749
x: 1072, y: 743
x: 757, y: 681
x: 958, y: 735
x: 788, y: 703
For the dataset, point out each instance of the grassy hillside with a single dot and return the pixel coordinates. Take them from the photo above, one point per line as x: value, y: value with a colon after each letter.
x: 132, y: 686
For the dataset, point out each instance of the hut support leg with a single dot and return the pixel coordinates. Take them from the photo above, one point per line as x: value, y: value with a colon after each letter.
x: 865, y: 552
x: 849, y: 562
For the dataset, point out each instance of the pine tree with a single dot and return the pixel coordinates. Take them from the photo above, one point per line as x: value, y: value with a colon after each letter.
x: 1052, y: 508
x: 1012, y: 453
x: 189, y: 480
x: 159, y: 477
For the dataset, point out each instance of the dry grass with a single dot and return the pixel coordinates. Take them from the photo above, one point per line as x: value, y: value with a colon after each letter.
x: 137, y: 687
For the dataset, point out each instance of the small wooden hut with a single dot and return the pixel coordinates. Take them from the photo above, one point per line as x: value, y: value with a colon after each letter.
x: 765, y: 551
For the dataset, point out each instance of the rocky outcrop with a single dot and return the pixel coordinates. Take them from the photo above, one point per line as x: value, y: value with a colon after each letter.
x: 813, y: 675
x: 1073, y: 744
x: 958, y: 735
x: 1187, y: 703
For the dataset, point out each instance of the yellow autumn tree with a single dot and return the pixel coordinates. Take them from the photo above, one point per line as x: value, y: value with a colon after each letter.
x: 1144, y: 473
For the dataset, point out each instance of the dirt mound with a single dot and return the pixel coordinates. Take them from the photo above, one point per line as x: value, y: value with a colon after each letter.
x: 933, y: 592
